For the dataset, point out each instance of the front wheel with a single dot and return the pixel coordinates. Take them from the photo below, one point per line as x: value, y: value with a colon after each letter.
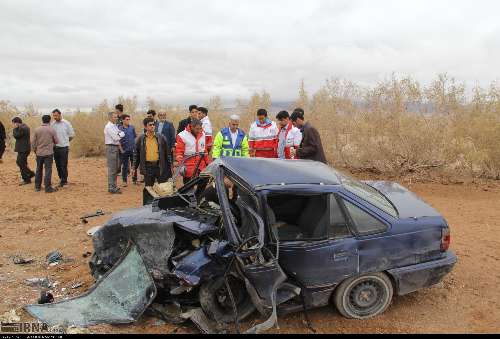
x: 216, y: 301
x: 364, y: 297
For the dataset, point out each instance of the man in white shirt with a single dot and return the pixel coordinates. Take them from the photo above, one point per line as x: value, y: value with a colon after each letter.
x: 112, y: 137
x: 65, y: 134
x: 207, y: 127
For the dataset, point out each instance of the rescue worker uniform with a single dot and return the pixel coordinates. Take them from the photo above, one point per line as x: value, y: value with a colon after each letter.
x: 288, y: 137
x: 207, y: 128
x: 188, y: 145
x: 228, y: 144
x: 263, y: 138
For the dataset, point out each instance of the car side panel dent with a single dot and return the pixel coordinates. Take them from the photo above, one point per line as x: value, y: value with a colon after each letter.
x: 389, y: 251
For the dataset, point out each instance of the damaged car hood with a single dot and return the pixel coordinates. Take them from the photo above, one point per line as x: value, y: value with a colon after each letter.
x: 152, y: 230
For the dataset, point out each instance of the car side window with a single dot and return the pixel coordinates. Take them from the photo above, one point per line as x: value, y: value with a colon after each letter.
x: 338, y: 224
x: 363, y: 222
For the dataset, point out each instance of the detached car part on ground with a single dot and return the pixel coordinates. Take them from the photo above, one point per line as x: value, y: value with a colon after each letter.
x: 277, y: 237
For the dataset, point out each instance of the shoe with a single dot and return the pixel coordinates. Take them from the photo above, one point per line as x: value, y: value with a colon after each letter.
x: 115, y: 191
x: 50, y: 190
x: 62, y: 184
x: 25, y: 182
x: 32, y: 175
x: 37, y: 189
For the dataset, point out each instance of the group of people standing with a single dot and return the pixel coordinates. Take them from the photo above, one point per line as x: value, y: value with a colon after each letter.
x: 160, y: 148
x: 193, y: 146
x: 155, y: 151
x: 50, y: 142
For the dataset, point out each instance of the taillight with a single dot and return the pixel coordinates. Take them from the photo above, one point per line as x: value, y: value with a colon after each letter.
x: 445, y: 239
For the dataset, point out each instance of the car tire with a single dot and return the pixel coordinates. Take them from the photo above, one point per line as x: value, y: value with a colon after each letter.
x: 364, y: 297
x: 211, y: 292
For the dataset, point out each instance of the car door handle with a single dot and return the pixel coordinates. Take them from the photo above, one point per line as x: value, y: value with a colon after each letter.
x: 341, y: 256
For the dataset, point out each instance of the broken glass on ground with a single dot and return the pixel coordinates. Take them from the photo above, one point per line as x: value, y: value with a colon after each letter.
x: 120, y: 296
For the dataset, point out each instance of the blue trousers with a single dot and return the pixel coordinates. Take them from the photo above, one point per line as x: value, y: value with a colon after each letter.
x: 126, y: 160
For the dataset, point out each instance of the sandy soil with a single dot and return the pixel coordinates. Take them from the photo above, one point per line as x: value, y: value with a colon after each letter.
x: 34, y: 224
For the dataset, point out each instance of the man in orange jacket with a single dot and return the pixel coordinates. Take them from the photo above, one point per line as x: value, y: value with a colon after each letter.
x: 192, y: 148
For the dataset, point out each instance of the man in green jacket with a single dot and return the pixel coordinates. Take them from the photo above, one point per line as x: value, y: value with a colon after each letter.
x: 231, y: 141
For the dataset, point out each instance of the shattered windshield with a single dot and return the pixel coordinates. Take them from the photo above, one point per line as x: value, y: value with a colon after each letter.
x: 368, y: 193
x: 120, y: 297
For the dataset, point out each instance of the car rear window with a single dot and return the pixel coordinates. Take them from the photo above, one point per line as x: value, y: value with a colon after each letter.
x: 363, y: 222
x: 368, y: 193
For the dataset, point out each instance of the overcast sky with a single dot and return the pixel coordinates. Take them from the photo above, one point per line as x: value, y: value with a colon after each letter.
x: 78, y: 52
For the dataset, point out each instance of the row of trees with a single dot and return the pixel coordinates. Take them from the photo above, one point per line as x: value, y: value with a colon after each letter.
x: 396, y: 127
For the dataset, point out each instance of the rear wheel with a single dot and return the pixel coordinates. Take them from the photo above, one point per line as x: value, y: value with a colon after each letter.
x: 216, y: 301
x: 364, y: 297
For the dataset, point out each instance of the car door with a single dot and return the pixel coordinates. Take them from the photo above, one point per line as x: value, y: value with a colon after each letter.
x: 326, y: 262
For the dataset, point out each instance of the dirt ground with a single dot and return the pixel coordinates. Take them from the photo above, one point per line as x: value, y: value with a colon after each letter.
x: 34, y: 224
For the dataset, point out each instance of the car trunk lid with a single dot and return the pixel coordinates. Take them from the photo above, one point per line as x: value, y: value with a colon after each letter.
x: 407, y: 203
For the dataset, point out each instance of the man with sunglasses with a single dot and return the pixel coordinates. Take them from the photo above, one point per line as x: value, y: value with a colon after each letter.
x: 152, y: 155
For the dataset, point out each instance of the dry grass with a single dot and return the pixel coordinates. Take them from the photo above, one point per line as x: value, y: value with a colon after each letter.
x: 395, y: 128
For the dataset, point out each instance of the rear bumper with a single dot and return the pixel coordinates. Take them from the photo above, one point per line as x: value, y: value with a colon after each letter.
x: 411, y: 278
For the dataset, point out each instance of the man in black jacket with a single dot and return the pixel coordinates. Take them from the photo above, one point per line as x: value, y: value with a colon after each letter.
x: 152, y: 155
x: 21, y: 133
x: 193, y: 114
x: 3, y: 136
x: 311, y: 147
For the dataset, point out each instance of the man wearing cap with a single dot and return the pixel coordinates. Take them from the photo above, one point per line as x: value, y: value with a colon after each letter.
x: 231, y: 141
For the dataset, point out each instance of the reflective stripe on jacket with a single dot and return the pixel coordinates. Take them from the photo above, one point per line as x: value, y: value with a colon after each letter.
x: 223, y: 144
x: 293, y: 138
x: 207, y: 128
x: 263, y: 139
x: 188, y: 145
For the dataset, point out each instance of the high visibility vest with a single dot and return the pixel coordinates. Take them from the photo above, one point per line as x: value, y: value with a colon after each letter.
x: 228, y: 149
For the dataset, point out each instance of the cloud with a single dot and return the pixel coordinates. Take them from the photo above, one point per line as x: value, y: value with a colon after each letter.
x: 77, y: 52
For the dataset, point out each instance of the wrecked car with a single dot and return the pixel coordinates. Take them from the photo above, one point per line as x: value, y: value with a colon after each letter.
x: 280, y: 236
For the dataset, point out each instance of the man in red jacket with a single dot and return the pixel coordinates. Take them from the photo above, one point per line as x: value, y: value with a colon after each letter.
x: 192, y: 148
x: 263, y: 136
x: 289, y: 136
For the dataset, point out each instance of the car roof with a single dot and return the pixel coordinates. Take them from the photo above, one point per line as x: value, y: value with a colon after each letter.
x: 258, y: 172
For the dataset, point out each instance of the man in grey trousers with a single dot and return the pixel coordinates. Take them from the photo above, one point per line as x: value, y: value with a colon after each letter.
x: 112, y: 137
x: 43, y: 142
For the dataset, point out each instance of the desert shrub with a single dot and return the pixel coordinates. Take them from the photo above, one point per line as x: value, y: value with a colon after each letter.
x: 396, y: 127
x: 399, y: 128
